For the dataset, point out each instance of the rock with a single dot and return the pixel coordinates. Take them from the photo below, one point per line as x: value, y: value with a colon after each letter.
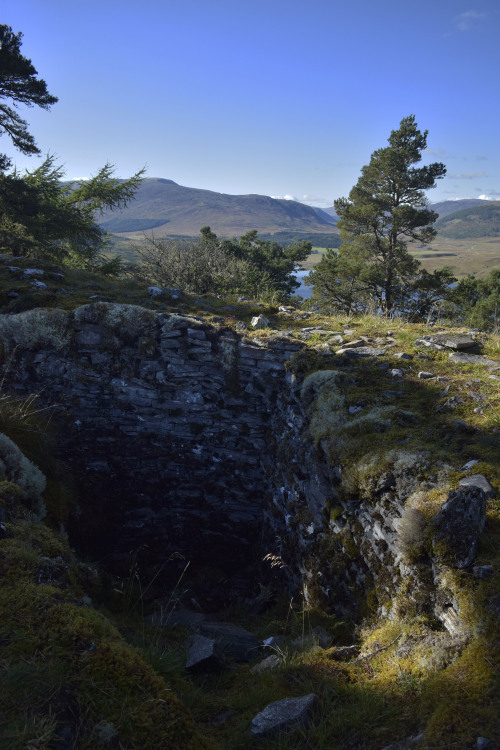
x: 354, y: 344
x: 403, y: 355
x: 362, y: 351
x: 32, y: 272
x: 155, y: 291
x: 354, y: 409
x: 203, y: 655
x: 241, y: 326
x: 283, y: 715
x: 236, y: 643
x: 271, y: 662
x: 478, y: 480
x: 483, y: 571
x: 395, y: 373
x: 471, y: 359
x: 423, y: 375
x: 260, y: 321
x: 38, y: 285
x: 482, y: 743
x: 462, y: 426
x: 453, y: 342
x: 458, y: 525
x: 451, y: 403
x: 469, y: 464
x: 173, y: 293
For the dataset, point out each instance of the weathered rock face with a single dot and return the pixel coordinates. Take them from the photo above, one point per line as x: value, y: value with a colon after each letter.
x: 371, y: 548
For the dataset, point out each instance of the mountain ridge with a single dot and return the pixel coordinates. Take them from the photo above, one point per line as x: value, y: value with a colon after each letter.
x: 173, y: 209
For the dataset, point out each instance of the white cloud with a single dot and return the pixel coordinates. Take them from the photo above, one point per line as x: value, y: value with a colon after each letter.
x: 468, y: 175
x: 285, y: 197
x: 466, y: 21
x: 493, y: 196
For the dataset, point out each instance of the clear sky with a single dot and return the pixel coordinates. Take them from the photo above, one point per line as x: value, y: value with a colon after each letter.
x: 276, y: 97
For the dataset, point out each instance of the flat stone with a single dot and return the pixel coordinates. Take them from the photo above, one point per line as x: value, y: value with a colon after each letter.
x: 453, y: 342
x: 462, y: 358
x: 423, y: 375
x: 354, y: 344
x: 362, y: 351
x: 283, y: 715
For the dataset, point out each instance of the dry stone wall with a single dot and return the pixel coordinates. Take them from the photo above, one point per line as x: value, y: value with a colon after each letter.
x: 165, y: 420
x: 192, y: 443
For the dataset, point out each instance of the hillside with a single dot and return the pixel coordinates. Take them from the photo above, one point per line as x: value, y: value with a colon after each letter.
x: 444, y: 208
x: 473, y: 221
x: 170, y: 209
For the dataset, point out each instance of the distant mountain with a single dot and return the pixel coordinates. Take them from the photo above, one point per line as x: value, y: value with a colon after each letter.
x: 450, y: 207
x: 328, y: 213
x: 171, y: 209
x: 475, y: 220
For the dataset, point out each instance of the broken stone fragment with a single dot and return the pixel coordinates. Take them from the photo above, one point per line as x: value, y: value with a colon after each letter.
x: 203, y: 655
x: 423, y: 375
x: 283, y: 715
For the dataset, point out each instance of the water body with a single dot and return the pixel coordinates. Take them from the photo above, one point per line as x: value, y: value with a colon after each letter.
x: 303, y: 290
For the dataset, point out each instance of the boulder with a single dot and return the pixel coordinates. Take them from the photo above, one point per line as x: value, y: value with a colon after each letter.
x: 283, y: 715
x: 235, y: 642
x: 259, y: 321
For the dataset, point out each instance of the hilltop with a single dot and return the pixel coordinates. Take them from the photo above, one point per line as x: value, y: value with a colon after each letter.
x: 171, y: 209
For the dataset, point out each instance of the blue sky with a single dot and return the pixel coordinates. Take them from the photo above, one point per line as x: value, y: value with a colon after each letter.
x: 264, y: 96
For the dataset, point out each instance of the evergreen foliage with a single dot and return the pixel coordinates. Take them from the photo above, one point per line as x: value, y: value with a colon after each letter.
x: 19, y: 84
x: 40, y: 214
x: 386, y: 208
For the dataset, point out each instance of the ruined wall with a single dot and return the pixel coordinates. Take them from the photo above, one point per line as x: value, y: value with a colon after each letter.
x: 164, y: 420
x: 193, y: 443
